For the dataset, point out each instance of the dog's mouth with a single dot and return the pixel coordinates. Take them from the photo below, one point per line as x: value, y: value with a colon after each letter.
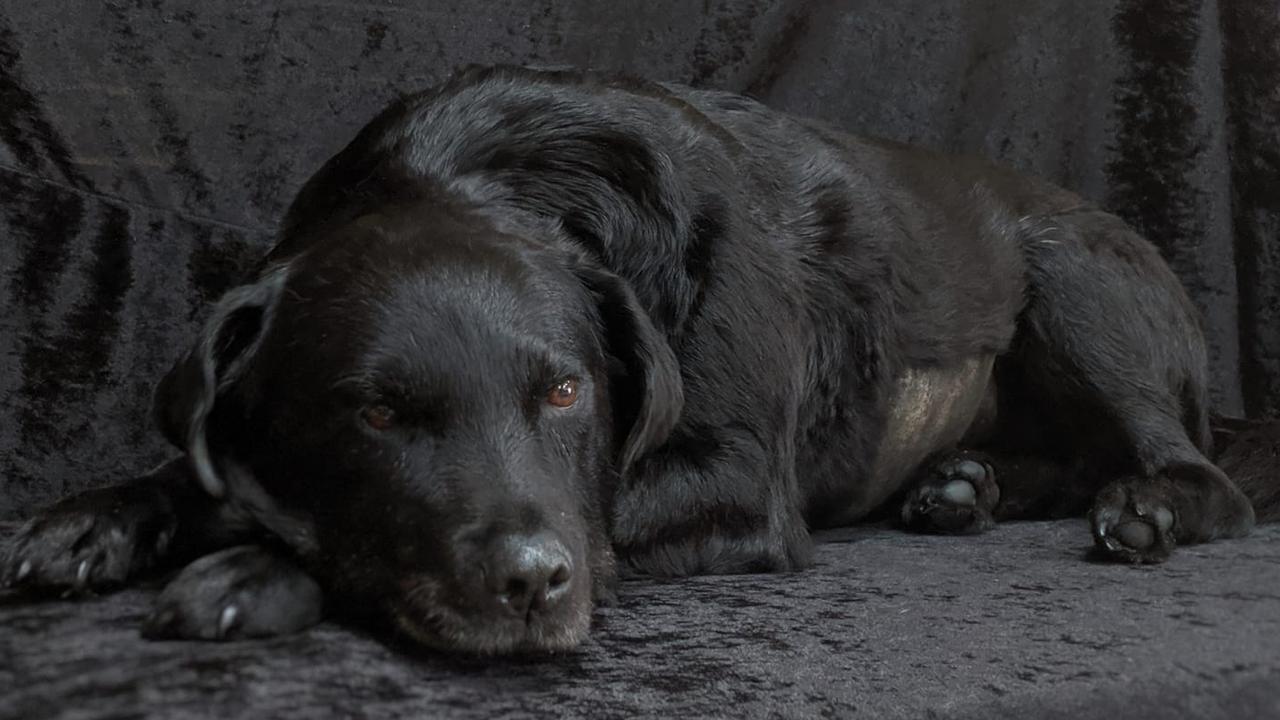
x: 422, y: 615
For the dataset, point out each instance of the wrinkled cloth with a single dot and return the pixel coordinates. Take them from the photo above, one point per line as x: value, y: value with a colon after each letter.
x: 148, y: 150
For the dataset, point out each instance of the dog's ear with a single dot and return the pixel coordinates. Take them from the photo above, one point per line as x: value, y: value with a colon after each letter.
x: 230, y: 338
x: 647, y: 392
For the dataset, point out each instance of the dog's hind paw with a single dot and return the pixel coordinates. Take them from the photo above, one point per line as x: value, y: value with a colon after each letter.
x: 956, y: 495
x: 241, y: 592
x: 1131, y: 523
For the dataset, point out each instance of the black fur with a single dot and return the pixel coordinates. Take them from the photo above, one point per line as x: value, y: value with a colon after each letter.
x: 774, y: 327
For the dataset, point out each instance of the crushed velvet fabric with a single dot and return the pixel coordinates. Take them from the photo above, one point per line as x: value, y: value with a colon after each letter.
x: 1013, y: 624
x: 148, y: 149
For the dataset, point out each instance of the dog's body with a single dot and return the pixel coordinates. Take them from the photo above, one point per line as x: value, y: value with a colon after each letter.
x: 750, y: 325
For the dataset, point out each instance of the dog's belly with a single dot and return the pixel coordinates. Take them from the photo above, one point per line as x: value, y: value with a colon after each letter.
x: 930, y: 409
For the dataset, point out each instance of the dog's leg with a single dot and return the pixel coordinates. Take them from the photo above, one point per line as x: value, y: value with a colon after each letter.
x: 711, y: 501
x: 105, y: 537
x: 244, y: 591
x: 1142, y: 517
x: 1135, y: 519
x: 1112, y: 364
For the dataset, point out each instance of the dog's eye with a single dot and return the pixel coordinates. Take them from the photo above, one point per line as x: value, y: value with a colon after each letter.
x: 563, y: 394
x: 379, y: 417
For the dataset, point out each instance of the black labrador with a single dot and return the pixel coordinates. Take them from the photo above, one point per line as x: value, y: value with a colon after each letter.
x: 530, y: 321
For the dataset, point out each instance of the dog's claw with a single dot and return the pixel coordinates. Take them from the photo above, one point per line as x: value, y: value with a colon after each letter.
x: 23, y: 571
x: 227, y: 619
x: 82, y: 574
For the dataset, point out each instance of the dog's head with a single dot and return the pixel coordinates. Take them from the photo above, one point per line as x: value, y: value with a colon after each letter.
x: 442, y: 408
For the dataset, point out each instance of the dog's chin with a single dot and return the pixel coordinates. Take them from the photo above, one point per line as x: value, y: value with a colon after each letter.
x: 448, y: 630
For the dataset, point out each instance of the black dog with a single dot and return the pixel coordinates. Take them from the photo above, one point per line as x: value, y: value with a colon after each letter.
x: 526, y: 320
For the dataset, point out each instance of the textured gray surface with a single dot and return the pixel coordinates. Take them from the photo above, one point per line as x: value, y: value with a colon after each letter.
x: 1013, y: 624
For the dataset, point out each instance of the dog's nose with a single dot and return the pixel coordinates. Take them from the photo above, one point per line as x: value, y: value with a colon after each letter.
x: 529, y: 572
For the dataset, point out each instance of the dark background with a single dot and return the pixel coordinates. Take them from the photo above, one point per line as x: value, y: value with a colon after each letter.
x: 149, y: 149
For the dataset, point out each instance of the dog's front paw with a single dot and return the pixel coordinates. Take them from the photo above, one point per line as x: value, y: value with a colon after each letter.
x: 242, y: 592
x: 93, y: 540
x: 1132, y: 523
x: 956, y: 495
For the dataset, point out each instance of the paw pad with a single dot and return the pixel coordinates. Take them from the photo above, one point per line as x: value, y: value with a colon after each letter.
x: 956, y: 496
x: 1131, y: 524
x: 1134, y: 534
x: 960, y: 492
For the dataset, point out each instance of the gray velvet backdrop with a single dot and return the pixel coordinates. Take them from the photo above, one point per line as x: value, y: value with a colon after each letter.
x: 149, y: 149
